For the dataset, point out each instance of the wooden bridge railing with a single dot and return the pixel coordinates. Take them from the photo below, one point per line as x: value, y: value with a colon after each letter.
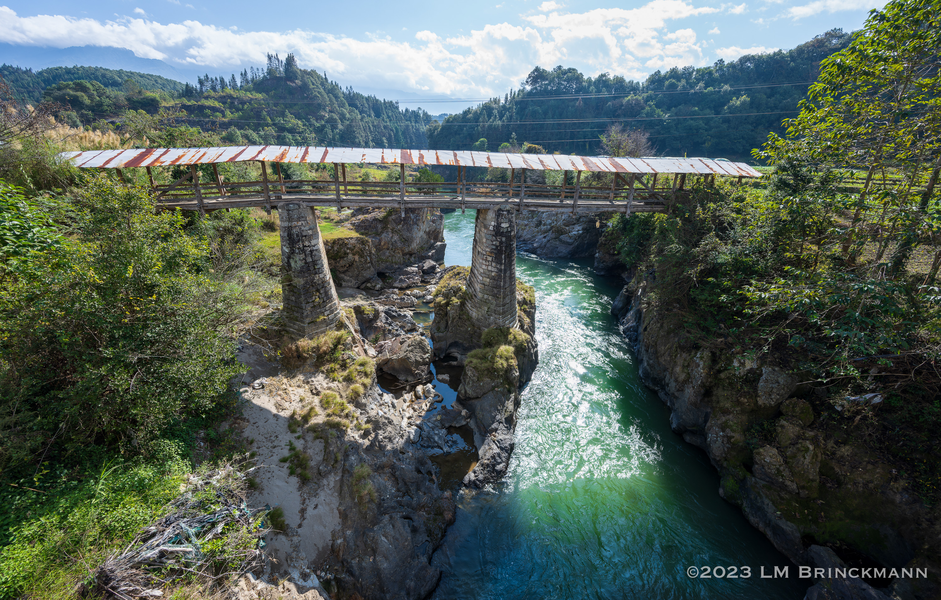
x: 625, y: 193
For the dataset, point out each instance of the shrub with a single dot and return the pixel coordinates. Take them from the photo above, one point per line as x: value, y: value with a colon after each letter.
x: 334, y: 405
x: 276, y: 518
x: 109, y: 337
x: 363, y: 488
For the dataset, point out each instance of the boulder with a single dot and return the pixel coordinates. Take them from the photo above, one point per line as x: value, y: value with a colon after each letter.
x: 803, y: 462
x: 622, y: 303
x: 769, y: 467
x: 435, y: 252
x: 798, y: 409
x: 401, y: 240
x: 785, y: 432
x: 380, y: 323
x: 407, y: 358
x: 837, y: 588
x: 775, y: 386
x: 351, y: 259
x: 558, y: 234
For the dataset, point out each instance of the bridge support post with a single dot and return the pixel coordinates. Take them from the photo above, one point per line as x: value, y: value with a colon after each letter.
x: 492, y: 280
x: 311, y: 306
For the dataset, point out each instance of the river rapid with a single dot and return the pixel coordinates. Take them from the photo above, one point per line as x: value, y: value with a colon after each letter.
x: 601, y: 499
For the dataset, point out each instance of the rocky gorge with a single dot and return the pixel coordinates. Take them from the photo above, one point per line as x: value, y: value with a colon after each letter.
x: 824, y: 501
x: 388, y: 508
x: 359, y: 451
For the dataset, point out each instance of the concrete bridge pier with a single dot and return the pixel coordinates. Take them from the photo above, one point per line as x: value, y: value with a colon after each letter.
x: 311, y: 306
x: 492, y: 280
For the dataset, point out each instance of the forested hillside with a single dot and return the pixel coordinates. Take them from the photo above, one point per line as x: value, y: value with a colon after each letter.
x: 284, y: 104
x: 721, y: 111
x: 29, y: 86
x: 279, y: 104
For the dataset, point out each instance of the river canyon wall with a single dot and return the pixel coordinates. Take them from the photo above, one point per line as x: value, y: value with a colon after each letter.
x: 355, y: 465
x: 822, y: 500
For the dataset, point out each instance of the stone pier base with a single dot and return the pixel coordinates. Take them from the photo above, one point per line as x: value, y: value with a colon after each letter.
x: 491, y: 284
x: 310, y: 301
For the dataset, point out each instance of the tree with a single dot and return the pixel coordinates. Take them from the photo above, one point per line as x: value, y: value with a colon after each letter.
x: 876, y: 107
x: 112, y: 334
x: 26, y: 156
x: 619, y: 142
x: 480, y: 145
x: 291, y: 71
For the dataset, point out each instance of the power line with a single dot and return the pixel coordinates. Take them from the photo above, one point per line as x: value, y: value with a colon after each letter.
x: 540, y: 122
x: 575, y: 96
x: 571, y: 96
x: 621, y: 120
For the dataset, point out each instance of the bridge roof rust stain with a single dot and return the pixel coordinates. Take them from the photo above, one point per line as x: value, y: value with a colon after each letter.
x: 158, y: 157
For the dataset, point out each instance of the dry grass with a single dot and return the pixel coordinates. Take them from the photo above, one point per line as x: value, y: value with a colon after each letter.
x: 70, y: 138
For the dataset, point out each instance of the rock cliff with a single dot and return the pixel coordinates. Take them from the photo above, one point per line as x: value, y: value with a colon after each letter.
x: 559, y: 234
x: 793, y: 479
x: 386, y: 242
x: 497, y: 364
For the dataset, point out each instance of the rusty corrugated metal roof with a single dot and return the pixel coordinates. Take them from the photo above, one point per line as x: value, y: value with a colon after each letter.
x: 157, y: 157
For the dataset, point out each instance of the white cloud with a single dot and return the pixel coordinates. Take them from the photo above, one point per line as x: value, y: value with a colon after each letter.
x: 735, y: 9
x: 733, y: 52
x: 714, y: 31
x: 483, y: 62
x: 831, y: 6
x: 550, y: 5
x: 140, y: 11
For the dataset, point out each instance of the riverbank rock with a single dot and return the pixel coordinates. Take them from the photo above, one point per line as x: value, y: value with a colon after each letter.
x: 360, y: 500
x: 377, y: 322
x: 399, y: 240
x: 407, y: 358
x: 497, y: 363
x: 607, y: 256
x: 837, y: 588
x: 352, y: 260
x: 794, y: 482
x: 558, y: 234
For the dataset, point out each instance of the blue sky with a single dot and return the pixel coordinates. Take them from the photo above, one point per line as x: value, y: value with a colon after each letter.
x: 432, y: 50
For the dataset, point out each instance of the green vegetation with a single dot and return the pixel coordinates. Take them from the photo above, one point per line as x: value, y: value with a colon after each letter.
x: 452, y: 287
x: 322, y: 350
x: 839, y: 282
x: 498, y: 356
x: 280, y: 104
x: 334, y: 405
x: 112, y: 332
x: 329, y: 231
x: 29, y: 86
x: 363, y: 489
x: 298, y: 462
x: 117, y: 336
x: 718, y: 106
x: 55, y: 516
x: 276, y: 517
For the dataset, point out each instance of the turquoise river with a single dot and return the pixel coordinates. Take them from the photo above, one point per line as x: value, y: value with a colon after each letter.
x: 601, y: 499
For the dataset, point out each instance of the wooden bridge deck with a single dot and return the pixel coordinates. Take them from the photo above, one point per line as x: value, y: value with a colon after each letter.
x: 612, y: 185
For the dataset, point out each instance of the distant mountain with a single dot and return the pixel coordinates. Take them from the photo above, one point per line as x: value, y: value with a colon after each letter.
x: 36, y: 58
x: 724, y: 110
x: 28, y: 86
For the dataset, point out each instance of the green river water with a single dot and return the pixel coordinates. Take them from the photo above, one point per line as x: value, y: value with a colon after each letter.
x: 601, y: 499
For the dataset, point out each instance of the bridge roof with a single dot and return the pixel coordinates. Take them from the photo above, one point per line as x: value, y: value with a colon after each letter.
x: 156, y: 157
